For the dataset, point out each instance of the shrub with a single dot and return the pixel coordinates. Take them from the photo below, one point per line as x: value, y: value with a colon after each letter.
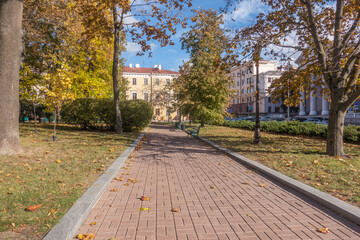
x: 351, y: 133
x: 100, y: 114
x: 136, y: 114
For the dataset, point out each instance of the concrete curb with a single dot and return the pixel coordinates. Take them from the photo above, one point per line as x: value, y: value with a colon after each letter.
x: 342, y: 208
x: 72, y: 220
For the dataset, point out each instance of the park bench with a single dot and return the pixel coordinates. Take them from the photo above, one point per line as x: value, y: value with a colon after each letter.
x: 194, y: 132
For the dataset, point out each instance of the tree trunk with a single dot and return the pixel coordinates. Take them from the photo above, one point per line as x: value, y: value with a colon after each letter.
x: 257, y: 134
x: 10, y: 56
x: 35, y: 118
x: 335, y: 134
x: 115, y: 72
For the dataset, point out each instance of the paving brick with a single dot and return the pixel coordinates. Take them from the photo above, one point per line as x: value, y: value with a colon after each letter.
x: 176, y: 172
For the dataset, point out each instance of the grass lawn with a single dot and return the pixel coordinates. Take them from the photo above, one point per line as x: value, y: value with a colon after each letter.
x: 53, y: 174
x: 299, y: 157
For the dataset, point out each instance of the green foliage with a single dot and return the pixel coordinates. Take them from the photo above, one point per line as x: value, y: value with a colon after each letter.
x: 136, y: 114
x: 203, y: 87
x: 99, y: 114
x: 351, y: 133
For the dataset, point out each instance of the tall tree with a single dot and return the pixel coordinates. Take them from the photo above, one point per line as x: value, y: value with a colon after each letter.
x: 327, y: 34
x: 10, y: 58
x: 203, y: 86
x: 152, y: 20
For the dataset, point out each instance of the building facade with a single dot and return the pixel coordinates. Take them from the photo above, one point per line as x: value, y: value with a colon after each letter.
x: 153, y: 85
x: 244, y: 84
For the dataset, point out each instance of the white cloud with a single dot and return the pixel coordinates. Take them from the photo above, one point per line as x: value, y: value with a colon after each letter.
x: 132, y: 48
x: 245, y: 10
x: 129, y: 19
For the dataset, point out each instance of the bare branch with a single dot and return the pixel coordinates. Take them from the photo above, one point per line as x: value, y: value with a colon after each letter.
x: 352, y: 98
x: 316, y: 38
x: 337, y: 34
x: 351, y: 61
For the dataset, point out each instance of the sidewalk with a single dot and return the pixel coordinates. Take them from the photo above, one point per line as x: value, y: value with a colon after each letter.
x: 217, y: 198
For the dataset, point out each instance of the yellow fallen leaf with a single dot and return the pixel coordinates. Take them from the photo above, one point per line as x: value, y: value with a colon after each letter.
x: 93, y: 223
x: 145, y: 199
x: 323, y: 230
x: 119, y: 179
x: 126, y: 184
x: 111, y: 205
x: 175, y: 210
x: 58, y: 161
x: 225, y: 175
x: 144, y: 209
x: 213, y: 187
x: 80, y: 236
x: 114, y: 190
x: 262, y: 185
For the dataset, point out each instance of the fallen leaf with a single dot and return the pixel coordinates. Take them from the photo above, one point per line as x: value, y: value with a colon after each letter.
x: 93, y: 223
x: 144, y: 209
x: 126, y: 184
x: 340, y: 159
x: 245, y: 183
x: 249, y: 215
x: 213, y: 187
x: 126, y: 174
x: 250, y: 172
x: 225, y: 175
x: 111, y: 205
x: 80, y: 236
x: 145, y: 199
x: 58, y: 161
x: 119, y: 179
x: 262, y: 185
x: 33, y: 208
x: 114, y: 190
x: 323, y: 230
x: 221, y: 164
x: 175, y: 210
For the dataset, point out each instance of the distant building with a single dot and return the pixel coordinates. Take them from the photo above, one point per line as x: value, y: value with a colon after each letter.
x: 153, y: 85
x: 244, y: 77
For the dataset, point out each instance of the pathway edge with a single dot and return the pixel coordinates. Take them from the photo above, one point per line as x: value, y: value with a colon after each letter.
x: 342, y: 208
x: 76, y: 215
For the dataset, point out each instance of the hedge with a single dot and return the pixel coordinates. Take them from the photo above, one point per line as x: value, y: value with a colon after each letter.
x: 100, y: 114
x: 351, y: 132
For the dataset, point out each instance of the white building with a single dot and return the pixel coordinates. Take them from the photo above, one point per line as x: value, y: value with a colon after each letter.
x: 244, y: 77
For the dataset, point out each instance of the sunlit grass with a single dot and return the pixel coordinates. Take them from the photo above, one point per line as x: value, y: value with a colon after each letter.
x: 302, y: 158
x: 54, y: 174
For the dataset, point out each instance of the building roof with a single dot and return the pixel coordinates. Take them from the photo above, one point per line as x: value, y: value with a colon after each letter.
x: 148, y: 70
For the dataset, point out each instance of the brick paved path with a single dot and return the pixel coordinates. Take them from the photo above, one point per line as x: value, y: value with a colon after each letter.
x: 218, y: 198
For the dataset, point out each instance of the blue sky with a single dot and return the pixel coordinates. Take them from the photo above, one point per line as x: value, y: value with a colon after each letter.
x: 171, y: 57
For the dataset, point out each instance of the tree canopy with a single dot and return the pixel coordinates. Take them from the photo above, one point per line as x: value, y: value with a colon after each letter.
x: 203, y: 89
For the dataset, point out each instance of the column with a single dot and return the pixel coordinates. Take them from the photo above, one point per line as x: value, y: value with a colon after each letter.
x: 325, y: 106
x: 313, y: 104
x: 302, y: 105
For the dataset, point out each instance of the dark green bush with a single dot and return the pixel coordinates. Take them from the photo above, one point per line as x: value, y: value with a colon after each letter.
x: 136, y: 114
x: 351, y: 133
x: 100, y: 114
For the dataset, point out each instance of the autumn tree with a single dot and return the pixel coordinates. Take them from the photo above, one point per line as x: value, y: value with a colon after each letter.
x: 10, y: 58
x: 327, y: 34
x: 152, y: 20
x: 204, y: 87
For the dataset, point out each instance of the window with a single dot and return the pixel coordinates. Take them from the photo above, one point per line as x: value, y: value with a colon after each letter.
x: 269, y: 109
x: 146, y: 81
x: 269, y: 80
x: 167, y: 111
x: 167, y: 96
x: 238, y: 74
x: 269, y: 100
x: 243, y: 82
x: 157, y: 82
x: 247, y: 90
x: 134, y: 81
x: 134, y: 96
x: 157, y: 112
x: 233, y: 101
x: 146, y: 96
x: 167, y: 82
x: 242, y: 90
x: 238, y: 100
x: 250, y: 99
x: 247, y: 80
x: 238, y: 83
